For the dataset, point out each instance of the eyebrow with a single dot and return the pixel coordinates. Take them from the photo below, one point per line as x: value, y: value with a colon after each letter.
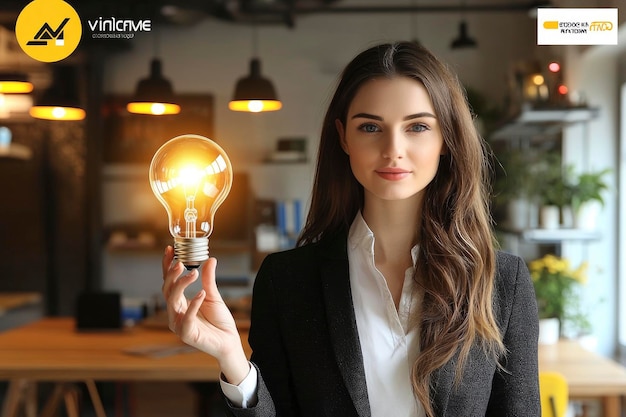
x: 409, y: 117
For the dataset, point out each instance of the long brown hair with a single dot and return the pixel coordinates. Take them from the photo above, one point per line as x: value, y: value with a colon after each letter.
x: 456, y: 265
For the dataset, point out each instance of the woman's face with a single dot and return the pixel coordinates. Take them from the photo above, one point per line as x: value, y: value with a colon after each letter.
x: 392, y: 137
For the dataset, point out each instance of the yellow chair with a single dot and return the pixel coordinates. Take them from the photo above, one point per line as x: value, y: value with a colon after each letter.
x: 554, y: 394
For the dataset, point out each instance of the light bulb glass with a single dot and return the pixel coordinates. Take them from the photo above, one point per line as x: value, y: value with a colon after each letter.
x: 538, y: 79
x: 191, y: 176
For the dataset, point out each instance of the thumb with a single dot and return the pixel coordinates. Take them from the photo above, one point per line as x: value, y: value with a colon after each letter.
x: 208, y: 279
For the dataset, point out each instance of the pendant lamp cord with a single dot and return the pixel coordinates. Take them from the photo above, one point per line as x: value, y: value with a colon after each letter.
x: 255, y: 38
x: 413, y: 22
x: 157, y: 44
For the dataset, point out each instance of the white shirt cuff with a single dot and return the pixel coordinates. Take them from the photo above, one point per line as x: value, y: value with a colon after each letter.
x: 243, y: 395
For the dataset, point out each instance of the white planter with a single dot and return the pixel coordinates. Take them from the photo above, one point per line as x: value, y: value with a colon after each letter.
x: 567, y: 217
x: 549, y: 331
x: 587, y: 216
x: 533, y: 215
x: 518, y: 214
x: 549, y: 217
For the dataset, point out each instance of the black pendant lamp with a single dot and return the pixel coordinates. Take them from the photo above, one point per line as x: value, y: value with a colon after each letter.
x: 254, y: 93
x: 463, y: 40
x: 14, y: 83
x: 61, y: 100
x: 154, y: 95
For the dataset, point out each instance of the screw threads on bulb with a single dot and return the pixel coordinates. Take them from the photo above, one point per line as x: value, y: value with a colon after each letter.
x: 191, y: 251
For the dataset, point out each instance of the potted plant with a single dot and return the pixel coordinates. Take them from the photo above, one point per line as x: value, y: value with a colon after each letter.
x: 514, y: 188
x: 556, y: 289
x: 587, y: 197
x: 554, y: 189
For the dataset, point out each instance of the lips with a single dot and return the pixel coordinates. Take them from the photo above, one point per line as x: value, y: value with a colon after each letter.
x: 393, y: 174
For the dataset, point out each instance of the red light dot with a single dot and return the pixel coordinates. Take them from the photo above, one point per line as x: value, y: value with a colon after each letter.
x: 563, y: 89
x: 554, y: 67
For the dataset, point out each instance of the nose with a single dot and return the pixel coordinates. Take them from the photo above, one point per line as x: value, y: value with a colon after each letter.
x: 393, y: 146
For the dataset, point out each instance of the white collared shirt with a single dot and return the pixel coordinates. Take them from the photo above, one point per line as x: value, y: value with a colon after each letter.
x: 388, y: 343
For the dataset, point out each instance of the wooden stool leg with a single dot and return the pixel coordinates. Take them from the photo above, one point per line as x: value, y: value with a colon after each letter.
x: 71, y: 401
x: 95, y: 398
x: 30, y: 399
x: 13, y: 397
x: 611, y: 406
x: 52, y: 404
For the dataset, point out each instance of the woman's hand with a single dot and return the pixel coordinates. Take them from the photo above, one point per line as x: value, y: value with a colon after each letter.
x: 204, y: 322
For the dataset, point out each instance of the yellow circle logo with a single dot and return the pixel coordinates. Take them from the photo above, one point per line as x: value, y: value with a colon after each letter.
x: 48, y: 30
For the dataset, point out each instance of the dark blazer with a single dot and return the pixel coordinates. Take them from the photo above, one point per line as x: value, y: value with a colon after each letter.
x: 306, y: 346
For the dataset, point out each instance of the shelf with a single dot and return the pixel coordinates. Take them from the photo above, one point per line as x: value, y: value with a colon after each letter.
x: 555, y: 235
x: 544, y: 122
x: 568, y: 115
x: 16, y: 151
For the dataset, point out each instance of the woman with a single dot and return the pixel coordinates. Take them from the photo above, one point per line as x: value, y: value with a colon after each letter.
x: 395, y: 301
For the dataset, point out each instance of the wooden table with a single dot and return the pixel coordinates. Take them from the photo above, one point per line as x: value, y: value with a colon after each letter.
x: 588, y: 374
x: 52, y: 350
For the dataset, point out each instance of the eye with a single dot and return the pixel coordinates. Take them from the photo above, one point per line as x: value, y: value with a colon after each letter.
x: 369, y: 128
x: 418, y: 127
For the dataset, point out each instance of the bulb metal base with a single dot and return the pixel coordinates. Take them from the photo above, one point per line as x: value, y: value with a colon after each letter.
x: 191, y: 251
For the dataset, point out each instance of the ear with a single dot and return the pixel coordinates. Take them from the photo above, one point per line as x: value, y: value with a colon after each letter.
x: 342, y: 135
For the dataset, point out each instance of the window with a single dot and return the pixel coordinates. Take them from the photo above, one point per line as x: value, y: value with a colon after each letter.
x: 621, y: 244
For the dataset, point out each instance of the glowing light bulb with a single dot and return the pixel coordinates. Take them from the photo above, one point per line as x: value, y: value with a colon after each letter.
x: 158, y: 108
x: 191, y: 176
x: 255, y: 106
x: 538, y: 79
x: 554, y: 67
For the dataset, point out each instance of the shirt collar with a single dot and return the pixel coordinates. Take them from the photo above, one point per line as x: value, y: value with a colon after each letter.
x: 361, y: 234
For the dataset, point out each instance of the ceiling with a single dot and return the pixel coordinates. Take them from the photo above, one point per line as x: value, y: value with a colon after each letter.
x: 279, y: 12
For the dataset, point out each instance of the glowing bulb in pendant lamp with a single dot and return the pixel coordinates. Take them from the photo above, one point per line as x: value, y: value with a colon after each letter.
x: 154, y: 95
x: 254, y: 93
x: 191, y: 176
x: 14, y: 83
x: 60, y: 101
x: 538, y: 79
x: 554, y: 67
x: 57, y: 113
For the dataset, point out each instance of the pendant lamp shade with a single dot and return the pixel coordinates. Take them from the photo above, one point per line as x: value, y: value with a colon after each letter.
x: 14, y: 83
x: 154, y: 95
x: 61, y: 100
x: 255, y: 93
x: 463, y: 40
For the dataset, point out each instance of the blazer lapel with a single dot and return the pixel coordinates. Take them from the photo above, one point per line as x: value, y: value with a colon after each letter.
x: 342, y: 323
